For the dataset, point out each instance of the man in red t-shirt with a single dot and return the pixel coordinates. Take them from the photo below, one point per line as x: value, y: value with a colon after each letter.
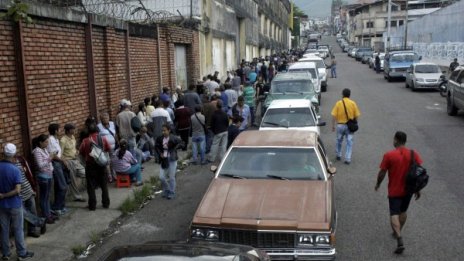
x: 396, y: 162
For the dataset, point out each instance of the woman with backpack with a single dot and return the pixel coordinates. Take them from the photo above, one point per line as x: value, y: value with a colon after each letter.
x: 95, y: 173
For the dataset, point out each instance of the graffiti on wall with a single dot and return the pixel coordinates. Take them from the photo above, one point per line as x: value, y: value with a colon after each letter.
x: 440, y: 51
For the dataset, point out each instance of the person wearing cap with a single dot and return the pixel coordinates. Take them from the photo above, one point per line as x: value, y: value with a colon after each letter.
x: 70, y: 158
x: 124, y: 127
x: 11, y: 211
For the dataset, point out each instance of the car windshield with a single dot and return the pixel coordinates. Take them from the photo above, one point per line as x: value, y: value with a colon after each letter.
x: 288, y: 117
x: 404, y: 57
x: 272, y: 163
x: 312, y: 71
x: 292, y: 86
x: 427, y: 69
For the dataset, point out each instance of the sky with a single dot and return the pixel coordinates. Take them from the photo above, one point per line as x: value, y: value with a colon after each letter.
x: 316, y: 8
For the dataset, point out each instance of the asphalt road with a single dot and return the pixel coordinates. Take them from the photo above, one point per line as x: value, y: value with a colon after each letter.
x: 435, y: 229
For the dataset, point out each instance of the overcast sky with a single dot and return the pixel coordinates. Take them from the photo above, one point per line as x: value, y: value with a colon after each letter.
x: 316, y: 8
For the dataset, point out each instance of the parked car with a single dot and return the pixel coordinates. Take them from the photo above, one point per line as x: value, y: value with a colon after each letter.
x: 321, y: 67
x: 423, y: 76
x: 365, y: 56
x: 324, y: 51
x: 291, y: 114
x: 455, y: 95
x: 312, y: 52
x: 291, y: 86
x: 162, y: 251
x: 372, y: 60
x: 274, y: 192
x: 397, y: 63
x: 352, y: 52
x: 310, y: 68
x: 361, y: 51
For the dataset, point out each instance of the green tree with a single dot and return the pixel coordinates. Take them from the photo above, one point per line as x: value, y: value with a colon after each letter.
x: 298, y: 12
x: 17, y: 11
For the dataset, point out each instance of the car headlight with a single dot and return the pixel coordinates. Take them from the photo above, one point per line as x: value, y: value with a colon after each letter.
x: 419, y: 79
x: 198, y: 233
x: 313, y: 240
x: 322, y: 239
x: 207, y: 234
x: 305, y: 240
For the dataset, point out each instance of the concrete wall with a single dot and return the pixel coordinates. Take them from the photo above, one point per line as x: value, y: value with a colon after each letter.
x: 438, y: 37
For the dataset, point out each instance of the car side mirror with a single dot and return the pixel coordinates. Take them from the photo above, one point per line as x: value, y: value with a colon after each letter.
x: 320, y: 124
x: 213, y: 168
x: 332, y: 170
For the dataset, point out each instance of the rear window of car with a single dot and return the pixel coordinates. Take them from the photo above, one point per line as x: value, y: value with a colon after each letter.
x: 288, y: 117
x: 292, y: 86
x: 427, y: 69
x: 272, y: 163
x: 310, y: 70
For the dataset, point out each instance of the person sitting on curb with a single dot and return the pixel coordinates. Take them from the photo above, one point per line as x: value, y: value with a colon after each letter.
x: 124, y: 162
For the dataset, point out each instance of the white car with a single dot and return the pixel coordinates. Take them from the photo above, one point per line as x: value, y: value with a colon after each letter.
x: 311, y: 68
x: 312, y: 52
x: 321, y: 67
x: 423, y: 76
x: 296, y: 114
x: 324, y: 51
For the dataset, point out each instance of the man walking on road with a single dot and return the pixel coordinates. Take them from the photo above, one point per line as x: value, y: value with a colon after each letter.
x: 344, y: 110
x: 333, y: 67
x: 396, y: 162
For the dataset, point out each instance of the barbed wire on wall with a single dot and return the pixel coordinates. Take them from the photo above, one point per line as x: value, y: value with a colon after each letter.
x: 133, y: 11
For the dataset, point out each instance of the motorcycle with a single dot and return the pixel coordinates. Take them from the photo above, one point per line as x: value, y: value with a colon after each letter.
x: 442, y: 87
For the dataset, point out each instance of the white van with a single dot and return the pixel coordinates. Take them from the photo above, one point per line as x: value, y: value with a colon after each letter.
x: 321, y: 68
x: 311, y: 68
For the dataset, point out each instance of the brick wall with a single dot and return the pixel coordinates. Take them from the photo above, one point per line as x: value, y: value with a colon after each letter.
x: 57, y: 77
x: 10, y: 129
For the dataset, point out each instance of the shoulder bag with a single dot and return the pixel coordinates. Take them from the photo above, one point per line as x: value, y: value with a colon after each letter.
x: 97, y: 153
x: 351, y: 123
x: 416, y: 178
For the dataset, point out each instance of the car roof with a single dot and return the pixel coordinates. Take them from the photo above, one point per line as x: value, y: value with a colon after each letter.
x: 276, y: 138
x: 312, y: 57
x: 292, y: 76
x: 290, y: 103
x: 302, y: 65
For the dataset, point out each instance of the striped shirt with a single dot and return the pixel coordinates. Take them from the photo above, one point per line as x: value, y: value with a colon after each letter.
x: 26, y: 189
x: 124, y: 164
x: 43, y: 162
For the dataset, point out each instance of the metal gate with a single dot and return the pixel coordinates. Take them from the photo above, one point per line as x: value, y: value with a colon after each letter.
x: 181, y: 66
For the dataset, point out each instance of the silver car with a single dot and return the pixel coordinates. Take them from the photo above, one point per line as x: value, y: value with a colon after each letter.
x: 423, y: 76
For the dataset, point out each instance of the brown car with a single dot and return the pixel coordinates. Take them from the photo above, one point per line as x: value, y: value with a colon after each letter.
x: 273, y: 190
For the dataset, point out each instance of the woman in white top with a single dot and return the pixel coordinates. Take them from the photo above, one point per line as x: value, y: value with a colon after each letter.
x: 142, y: 114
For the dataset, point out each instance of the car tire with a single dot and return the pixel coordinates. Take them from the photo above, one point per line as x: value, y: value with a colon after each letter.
x: 324, y: 88
x: 406, y: 85
x: 413, y: 87
x: 450, y: 107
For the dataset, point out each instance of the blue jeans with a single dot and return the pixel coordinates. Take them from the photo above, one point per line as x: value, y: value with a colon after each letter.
x: 252, y: 114
x: 342, y: 131
x: 60, y: 185
x: 15, y: 217
x: 135, y: 172
x: 333, y: 71
x: 30, y: 215
x: 209, y: 140
x: 45, y: 185
x: 132, y: 147
x: 198, y: 146
x: 168, y: 178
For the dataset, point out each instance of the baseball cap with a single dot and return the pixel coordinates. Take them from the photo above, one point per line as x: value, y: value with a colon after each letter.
x: 9, y: 149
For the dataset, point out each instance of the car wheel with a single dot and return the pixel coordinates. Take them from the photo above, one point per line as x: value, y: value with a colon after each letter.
x: 450, y: 108
x: 389, y: 78
x: 413, y: 87
x: 324, y: 88
x: 406, y: 84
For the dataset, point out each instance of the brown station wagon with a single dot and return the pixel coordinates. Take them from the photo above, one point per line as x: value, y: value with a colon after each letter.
x: 273, y: 190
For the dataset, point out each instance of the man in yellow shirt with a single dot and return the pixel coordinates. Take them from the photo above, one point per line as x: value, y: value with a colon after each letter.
x: 339, y: 117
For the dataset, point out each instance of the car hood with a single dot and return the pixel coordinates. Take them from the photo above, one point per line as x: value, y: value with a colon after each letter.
x: 266, y: 204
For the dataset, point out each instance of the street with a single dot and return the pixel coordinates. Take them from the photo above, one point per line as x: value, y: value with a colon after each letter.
x: 434, y: 230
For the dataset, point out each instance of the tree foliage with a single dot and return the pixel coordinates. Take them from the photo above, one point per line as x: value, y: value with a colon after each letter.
x: 17, y: 11
x: 298, y: 12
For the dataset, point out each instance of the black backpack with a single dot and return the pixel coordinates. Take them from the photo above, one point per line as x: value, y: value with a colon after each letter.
x: 416, y: 178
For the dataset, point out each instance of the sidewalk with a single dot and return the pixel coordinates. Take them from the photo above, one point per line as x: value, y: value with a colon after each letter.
x: 80, y: 227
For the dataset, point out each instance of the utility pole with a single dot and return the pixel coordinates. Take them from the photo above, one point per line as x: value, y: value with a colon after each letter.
x: 389, y: 23
x: 406, y: 26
